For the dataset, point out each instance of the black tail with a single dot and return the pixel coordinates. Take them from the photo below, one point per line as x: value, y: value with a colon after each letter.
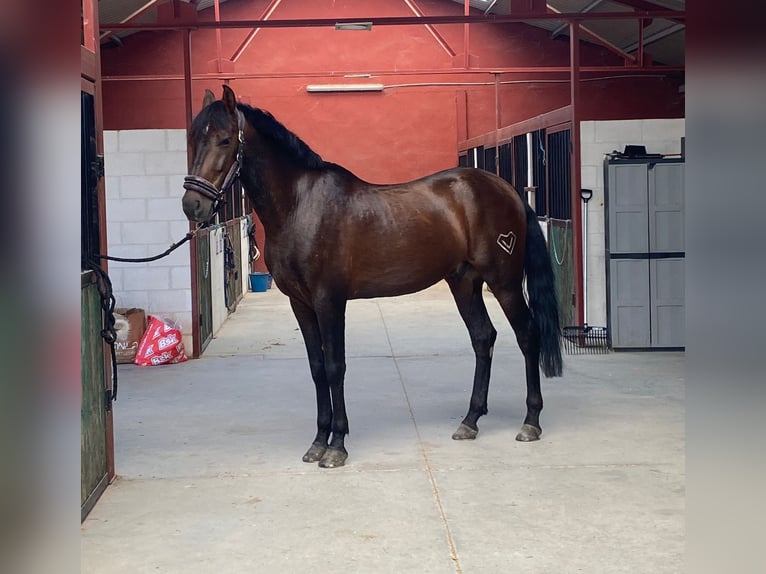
x: 541, y: 289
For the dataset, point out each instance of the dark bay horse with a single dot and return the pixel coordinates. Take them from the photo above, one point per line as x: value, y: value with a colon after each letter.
x: 333, y: 237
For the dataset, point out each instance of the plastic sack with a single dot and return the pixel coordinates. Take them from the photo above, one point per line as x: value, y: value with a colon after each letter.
x: 161, y: 344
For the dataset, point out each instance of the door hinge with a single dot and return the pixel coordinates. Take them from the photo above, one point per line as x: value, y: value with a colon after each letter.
x: 97, y: 167
x: 108, y: 398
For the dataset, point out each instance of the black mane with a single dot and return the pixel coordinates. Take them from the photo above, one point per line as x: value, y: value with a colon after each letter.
x: 283, y: 138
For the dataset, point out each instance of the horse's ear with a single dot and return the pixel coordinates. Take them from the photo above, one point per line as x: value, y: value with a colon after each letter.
x: 229, y: 99
x: 208, y: 99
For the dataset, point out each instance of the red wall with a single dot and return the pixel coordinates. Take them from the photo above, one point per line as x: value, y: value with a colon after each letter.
x: 398, y: 134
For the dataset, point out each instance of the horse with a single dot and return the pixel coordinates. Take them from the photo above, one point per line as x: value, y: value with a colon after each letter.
x: 333, y: 237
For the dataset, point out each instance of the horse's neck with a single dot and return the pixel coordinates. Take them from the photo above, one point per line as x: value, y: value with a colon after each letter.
x: 271, y: 189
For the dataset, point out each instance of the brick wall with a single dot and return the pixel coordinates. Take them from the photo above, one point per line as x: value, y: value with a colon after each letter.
x: 144, y: 184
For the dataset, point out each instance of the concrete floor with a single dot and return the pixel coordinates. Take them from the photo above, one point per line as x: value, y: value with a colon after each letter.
x: 210, y: 477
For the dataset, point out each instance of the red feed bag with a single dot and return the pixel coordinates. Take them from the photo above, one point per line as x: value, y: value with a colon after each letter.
x: 161, y: 344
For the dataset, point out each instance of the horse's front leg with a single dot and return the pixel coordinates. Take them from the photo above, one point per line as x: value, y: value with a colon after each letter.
x: 332, y: 320
x: 307, y: 320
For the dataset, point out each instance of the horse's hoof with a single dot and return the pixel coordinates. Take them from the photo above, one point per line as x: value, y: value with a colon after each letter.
x: 333, y: 458
x: 464, y: 432
x: 315, y: 453
x: 528, y: 433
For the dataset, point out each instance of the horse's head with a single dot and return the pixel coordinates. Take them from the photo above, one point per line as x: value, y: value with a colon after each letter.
x: 216, y: 142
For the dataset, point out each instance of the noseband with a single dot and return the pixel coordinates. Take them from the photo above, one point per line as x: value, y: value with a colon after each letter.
x: 206, y: 188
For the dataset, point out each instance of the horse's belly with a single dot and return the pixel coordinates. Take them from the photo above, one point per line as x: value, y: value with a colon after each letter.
x: 399, y: 273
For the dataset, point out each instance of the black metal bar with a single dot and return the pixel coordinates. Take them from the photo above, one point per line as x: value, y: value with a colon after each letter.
x: 653, y: 255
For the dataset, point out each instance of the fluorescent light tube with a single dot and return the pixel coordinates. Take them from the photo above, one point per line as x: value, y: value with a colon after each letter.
x: 344, y: 88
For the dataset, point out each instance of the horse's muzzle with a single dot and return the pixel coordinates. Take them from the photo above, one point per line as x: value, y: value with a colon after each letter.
x: 192, y: 207
x: 200, y: 199
x: 198, y: 209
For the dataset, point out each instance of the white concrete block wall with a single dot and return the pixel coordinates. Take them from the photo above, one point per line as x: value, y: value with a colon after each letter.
x: 598, y: 138
x: 144, y: 176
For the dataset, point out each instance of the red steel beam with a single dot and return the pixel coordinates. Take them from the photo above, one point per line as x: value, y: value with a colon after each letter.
x: 644, y: 5
x: 217, y: 12
x: 130, y: 18
x: 188, y: 116
x: 265, y: 16
x: 406, y: 20
x: 600, y: 40
x: 618, y: 70
x: 438, y: 37
x: 466, y: 38
x: 592, y: 6
x: 497, y: 124
x: 576, y: 201
x: 89, y: 25
x: 561, y: 116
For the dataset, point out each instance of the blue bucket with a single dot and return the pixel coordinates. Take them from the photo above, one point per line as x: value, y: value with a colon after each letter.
x: 260, y: 282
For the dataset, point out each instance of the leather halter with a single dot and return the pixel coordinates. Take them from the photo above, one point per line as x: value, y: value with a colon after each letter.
x: 206, y: 188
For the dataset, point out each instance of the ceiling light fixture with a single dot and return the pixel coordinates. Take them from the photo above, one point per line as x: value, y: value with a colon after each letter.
x: 318, y: 88
x: 353, y: 26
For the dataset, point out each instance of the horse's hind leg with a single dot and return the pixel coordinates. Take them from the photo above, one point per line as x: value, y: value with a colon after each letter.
x: 515, y: 308
x: 307, y: 320
x: 466, y: 289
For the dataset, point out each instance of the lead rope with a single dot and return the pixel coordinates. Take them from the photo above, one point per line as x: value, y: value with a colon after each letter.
x: 108, y: 302
x: 566, y: 243
x: 108, y: 333
x: 168, y: 251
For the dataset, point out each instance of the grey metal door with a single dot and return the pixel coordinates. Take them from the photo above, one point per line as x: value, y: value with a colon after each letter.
x: 667, y: 302
x: 629, y: 269
x: 666, y: 248
x: 629, y: 286
x: 645, y: 253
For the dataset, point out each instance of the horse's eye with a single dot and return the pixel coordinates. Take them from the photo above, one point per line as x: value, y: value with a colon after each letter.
x: 225, y: 141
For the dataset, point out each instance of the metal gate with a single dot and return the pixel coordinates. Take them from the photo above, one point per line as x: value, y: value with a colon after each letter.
x: 490, y: 164
x: 232, y: 262
x: 506, y: 163
x: 520, y: 163
x: 558, y: 202
x: 94, y: 466
x: 96, y: 456
x: 559, y: 175
x: 204, y: 289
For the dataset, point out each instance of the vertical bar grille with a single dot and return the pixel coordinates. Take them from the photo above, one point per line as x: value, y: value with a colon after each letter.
x: 506, y: 163
x: 539, y: 172
x: 89, y: 229
x: 489, y: 160
x: 520, y: 162
x: 559, y: 180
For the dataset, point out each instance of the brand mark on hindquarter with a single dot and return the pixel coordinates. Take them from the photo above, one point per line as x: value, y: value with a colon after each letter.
x: 507, y: 241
